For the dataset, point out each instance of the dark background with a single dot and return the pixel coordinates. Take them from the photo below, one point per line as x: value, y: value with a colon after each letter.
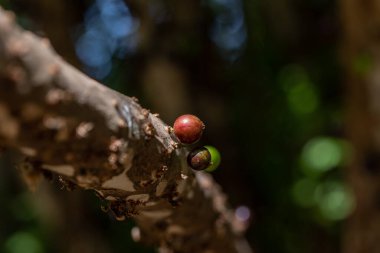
x: 264, y: 76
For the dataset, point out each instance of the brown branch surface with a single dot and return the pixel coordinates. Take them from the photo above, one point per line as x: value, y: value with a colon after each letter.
x: 98, y: 139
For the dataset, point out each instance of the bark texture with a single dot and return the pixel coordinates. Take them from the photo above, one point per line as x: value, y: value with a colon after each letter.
x: 361, y: 56
x: 98, y: 139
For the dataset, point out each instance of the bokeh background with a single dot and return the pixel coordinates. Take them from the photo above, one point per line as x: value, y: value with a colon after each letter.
x: 267, y: 78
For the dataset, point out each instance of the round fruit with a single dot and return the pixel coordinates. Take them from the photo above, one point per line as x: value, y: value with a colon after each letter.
x: 199, y: 159
x: 215, y: 158
x: 188, y: 128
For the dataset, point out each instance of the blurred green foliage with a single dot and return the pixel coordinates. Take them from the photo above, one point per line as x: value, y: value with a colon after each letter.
x: 21, y: 242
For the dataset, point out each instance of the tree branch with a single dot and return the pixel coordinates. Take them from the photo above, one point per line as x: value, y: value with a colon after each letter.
x: 98, y: 139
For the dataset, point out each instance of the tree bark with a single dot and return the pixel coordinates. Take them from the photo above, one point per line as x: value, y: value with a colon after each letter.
x: 98, y: 139
x: 361, y: 57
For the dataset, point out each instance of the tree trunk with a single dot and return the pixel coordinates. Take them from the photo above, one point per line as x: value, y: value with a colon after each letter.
x: 361, y: 57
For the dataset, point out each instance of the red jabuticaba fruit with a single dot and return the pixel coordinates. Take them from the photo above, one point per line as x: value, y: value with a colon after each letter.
x: 188, y: 128
x: 199, y: 158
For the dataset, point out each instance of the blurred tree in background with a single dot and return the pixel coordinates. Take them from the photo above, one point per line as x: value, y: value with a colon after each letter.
x: 267, y: 78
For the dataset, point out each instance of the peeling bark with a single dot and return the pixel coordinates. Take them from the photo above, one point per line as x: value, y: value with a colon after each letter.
x: 98, y: 139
